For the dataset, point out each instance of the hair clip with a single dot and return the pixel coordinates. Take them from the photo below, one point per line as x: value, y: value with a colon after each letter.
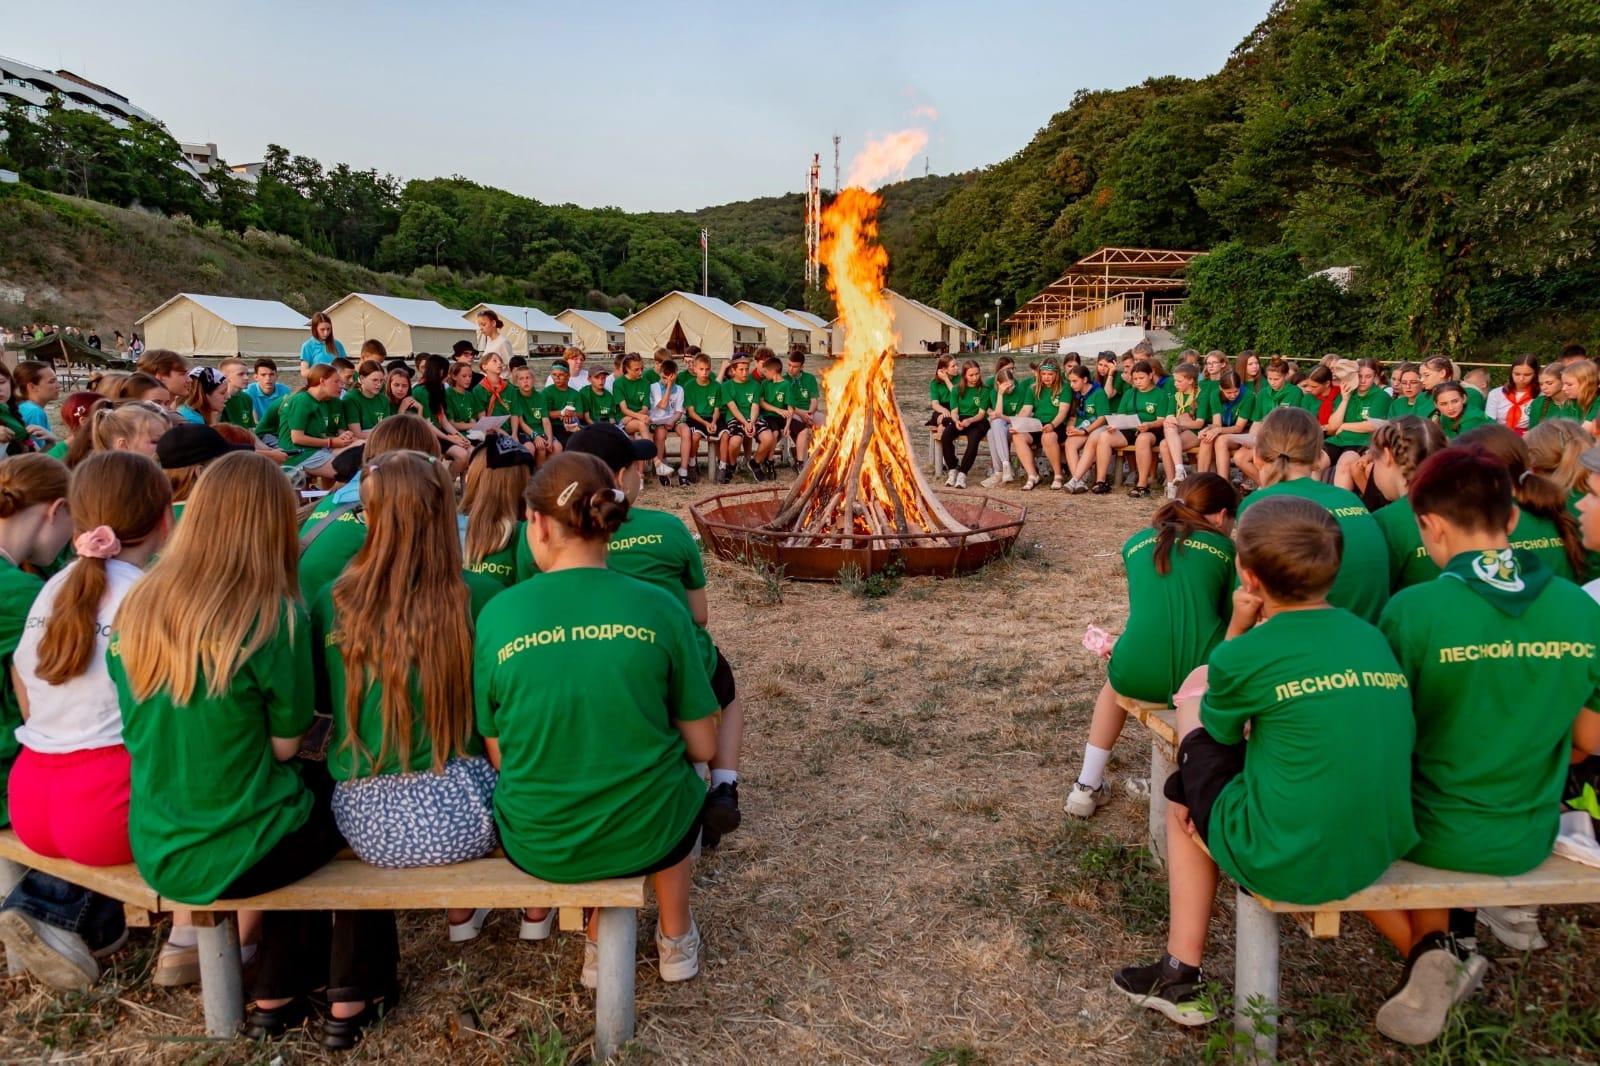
x: 619, y: 495
x: 566, y: 494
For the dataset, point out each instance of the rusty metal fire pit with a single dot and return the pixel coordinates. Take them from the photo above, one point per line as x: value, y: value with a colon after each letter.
x: 731, y: 524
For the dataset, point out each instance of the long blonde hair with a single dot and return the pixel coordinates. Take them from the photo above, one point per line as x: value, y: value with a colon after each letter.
x: 389, y: 631
x: 239, y: 532
x: 493, y: 505
x: 1289, y: 436
x: 1553, y: 450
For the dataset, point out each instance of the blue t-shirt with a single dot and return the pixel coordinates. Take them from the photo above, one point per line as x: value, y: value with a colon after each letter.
x: 189, y: 414
x: 260, y: 401
x: 33, y: 415
x: 313, y: 352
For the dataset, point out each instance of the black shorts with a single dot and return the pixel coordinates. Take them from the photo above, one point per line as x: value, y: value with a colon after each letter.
x: 1205, y: 766
x: 734, y: 428
x: 796, y: 427
x: 698, y: 427
x: 722, y: 685
x: 776, y: 423
x: 1037, y: 439
x: 1334, y: 451
x: 935, y: 419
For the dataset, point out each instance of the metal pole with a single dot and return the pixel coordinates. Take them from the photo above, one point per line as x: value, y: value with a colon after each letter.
x: 705, y: 262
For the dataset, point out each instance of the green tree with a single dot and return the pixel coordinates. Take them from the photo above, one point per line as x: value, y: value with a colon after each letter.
x: 425, y: 236
x: 562, y: 280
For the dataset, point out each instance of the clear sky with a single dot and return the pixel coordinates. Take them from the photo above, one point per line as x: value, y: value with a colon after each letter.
x: 657, y: 106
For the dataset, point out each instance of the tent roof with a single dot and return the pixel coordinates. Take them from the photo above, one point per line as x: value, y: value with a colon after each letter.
x: 238, y: 311
x: 424, y: 313
x: 530, y: 318
x: 806, y: 317
x: 782, y: 318
x: 935, y: 312
x: 604, y: 319
x: 64, y: 346
x: 721, y: 308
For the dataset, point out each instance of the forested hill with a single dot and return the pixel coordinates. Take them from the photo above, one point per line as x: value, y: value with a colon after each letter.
x: 1449, y: 153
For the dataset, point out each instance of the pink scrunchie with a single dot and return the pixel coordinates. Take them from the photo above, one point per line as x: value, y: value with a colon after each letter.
x: 98, y: 543
x: 1099, y: 641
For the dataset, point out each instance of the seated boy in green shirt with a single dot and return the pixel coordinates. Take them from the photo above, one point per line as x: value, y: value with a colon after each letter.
x: 1295, y: 765
x: 1500, y: 657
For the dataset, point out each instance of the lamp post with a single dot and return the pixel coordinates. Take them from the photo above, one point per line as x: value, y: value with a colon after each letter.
x: 997, y: 323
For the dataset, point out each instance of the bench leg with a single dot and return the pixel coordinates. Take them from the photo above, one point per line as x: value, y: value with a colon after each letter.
x: 10, y: 874
x: 221, y: 983
x: 613, y: 1001
x: 1256, y: 976
x: 1160, y: 769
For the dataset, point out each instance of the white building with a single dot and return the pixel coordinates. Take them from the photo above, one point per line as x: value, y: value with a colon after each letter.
x: 34, y: 86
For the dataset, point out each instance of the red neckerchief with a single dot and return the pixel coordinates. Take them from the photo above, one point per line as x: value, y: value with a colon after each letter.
x: 494, y: 394
x: 1514, y: 412
x: 1325, y: 412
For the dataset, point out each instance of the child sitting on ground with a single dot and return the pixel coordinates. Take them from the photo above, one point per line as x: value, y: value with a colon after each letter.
x: 1180, y: 580
x: 1491, y: 762
x: 1288, y: 812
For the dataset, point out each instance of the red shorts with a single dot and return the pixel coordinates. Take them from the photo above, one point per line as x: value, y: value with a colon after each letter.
x: 73, y: 806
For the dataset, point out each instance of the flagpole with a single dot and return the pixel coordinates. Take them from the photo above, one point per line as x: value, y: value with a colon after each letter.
x: 705, y: 262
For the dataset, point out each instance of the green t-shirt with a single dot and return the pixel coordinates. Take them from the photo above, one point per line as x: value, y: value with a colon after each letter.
x: 557, y: 399
x: 425, y: 401
x: 17, y: 591
x: 701, y: 399
x: 530, y: 408
x: 600, y: 406
x: 1409, y: 562
x: 1420, y: 405
x: 1490, y: 760
x: 1323, y: 805
x: 1092, y: 405
x: 803, y: 388
x: 334, y: 546
x: 636, y: 394
x: 271, y: 419
x: 1470, y: 419
x: 1544, y: 408
x: 939, y: 393
x: 500, y: 566
x: 1047, y: 404
x: 239, y: 411
x: 364, y: 412
x: 1362, y: 586
x: 580, y: 675
x: 970, y: 401
x: 461, y: 408
x: 1266, y: 400
x: 775, y: 393
x: 1213, y: 404
x: 1152, y: 405
x: 490, y: 402
x: 317, y: 418
x: 1537, y: 535
x: 1476, y: 401
x: 209, y: 798
x: 344, y: 761
x: 1174, y: 619
x: 744, y: 395
x: 1374, y: 403
x: 1186, y: 404
x: 655, y: 547
x: 1012, y: 401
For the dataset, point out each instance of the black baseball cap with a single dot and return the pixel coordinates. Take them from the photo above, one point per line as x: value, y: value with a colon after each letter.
x: 191, y: 444
x: 462, y: 348
x: 608, y: 443
x: 502, y: 452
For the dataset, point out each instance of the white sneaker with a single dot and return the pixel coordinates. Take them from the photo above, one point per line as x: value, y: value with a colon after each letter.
x: 961, y: 481
x: 469, y: 929
x: 58, y: 958
x: 1007, y: 477
x: 1083, y: 801
x: 1179, y: 473
x: 950, y: 480
x: 680, y: 955
x: 539, y: 930
x: 1435, y: 981
x: 1515, y: 927
x: 663, y: 470
x: 991, y: 481
x: 1172, y: 490
x: 591, y: 964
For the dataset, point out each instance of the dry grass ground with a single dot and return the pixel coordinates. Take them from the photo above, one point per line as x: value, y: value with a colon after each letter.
x: 905, y: 888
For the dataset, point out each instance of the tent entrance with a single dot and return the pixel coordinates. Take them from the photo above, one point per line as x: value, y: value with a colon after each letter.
x: 677, y: 344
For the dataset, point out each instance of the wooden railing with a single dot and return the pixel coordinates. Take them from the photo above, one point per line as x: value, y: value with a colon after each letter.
x: 1162, y: 312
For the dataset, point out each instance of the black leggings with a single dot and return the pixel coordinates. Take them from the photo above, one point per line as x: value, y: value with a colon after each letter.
x: 354, y: 954
x: 974, y: 433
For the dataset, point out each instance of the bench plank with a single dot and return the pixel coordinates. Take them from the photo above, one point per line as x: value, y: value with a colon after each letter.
x: 1408, y: 886
x: 121, y: 883
x: 349, y: 884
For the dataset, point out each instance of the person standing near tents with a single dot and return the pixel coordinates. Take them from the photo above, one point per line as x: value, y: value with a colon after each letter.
x: 321, y: 347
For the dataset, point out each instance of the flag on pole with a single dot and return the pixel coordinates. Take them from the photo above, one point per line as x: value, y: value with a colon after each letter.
x: 705, y: 239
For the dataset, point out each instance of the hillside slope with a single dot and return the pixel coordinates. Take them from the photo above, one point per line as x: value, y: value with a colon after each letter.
x: 79, y: 262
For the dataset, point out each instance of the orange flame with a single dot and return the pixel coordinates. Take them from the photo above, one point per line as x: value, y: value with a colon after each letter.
x: 886, y: 158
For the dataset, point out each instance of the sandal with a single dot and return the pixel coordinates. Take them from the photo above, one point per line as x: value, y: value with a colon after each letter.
x: 1030, y: 484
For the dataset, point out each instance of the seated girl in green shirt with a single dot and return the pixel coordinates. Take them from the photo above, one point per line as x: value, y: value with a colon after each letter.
x: 227, y: 811
x: 1180, y: 587
x: 593, y: 701
x: 1544, y: 525
x: 1294, y: 772
x: 1456, y: 416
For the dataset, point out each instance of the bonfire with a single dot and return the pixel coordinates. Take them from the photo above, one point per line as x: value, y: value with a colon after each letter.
x: 861, y: 478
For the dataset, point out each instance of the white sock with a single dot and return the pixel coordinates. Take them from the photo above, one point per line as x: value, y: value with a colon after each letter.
x: 1181, y: 473
x: 183, y: 936
x: 683, y: 470
x: 724, y: 777
x: 1093, y: 773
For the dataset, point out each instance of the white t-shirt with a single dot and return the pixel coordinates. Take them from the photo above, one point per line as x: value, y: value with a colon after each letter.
x: 80, y: 713
x: 579, y: 381
x: 499, y: 346
x: 1498, y: 407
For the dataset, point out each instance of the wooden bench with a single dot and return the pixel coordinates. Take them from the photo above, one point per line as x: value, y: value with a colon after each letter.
x: 346, y: 883
x: 1161, y: 721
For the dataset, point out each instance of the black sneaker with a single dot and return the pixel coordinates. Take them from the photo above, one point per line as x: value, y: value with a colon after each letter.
x: 683, y: 480
x: 772, y: 470
x: 758, y: 471
x: 666, y: 480
x: 1139, y: 492
x: 1168, y: 986
x: 722, y: 808
x: 1100, y: 488
x: 709, y: 838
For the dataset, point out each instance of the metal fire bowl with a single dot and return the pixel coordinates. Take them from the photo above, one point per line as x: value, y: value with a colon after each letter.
x: 730, y: 522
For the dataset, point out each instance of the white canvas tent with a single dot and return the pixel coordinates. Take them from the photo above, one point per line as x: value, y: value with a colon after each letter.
x: 785, y: 333
x: 195, y: 324
x: 404, y: 327
x: 959, y: 334
x: 682, y: 319
x: 821, y: 336
x: 920, y: 328
x: 526, y: 328
x: 596, y: 332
